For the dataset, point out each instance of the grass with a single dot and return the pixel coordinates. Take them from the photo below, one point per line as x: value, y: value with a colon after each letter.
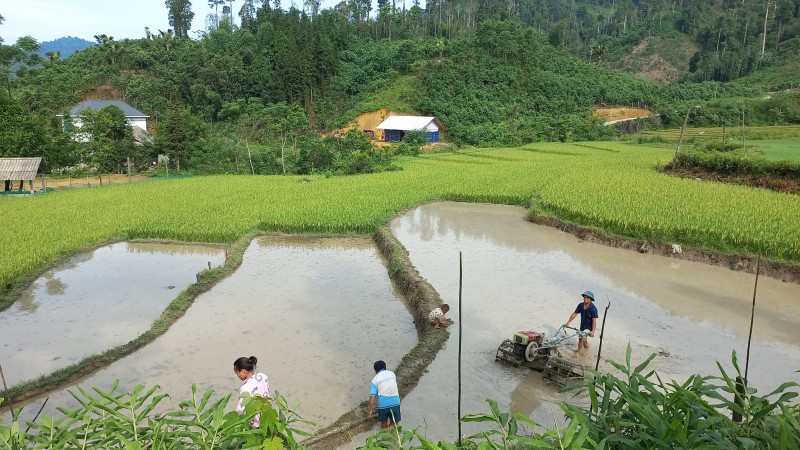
x: 778, y: 132
x: 778, y: 149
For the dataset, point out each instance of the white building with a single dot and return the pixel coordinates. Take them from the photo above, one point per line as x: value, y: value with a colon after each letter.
x: 395, y: 127
x: 136, y: 119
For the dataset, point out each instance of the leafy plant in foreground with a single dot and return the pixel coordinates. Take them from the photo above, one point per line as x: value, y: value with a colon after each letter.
x: 127, y: 420
x: 636, y: 411
x: 641, y: 411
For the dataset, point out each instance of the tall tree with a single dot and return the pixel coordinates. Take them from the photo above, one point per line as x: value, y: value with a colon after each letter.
x: 214, y: 4
x: 109, y: 45
x: 180, y: 16
x: 177, y: 131
x: 18, y: 58
x: 313, y: 6
x: 21, y: 133
x: 110, y: 136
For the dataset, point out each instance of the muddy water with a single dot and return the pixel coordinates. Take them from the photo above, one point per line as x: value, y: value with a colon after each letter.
x: 94, y: 301
x: 317, y: 312
x: 518, y: 275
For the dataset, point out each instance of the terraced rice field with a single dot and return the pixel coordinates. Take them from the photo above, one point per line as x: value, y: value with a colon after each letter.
x: 608, y: 185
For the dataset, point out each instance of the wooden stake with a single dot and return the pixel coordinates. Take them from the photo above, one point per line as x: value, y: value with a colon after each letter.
x: 460, y: 321
x: 5, y: 386
x: 752, y: 316
x: 602, y: 332
x: 683, y: 130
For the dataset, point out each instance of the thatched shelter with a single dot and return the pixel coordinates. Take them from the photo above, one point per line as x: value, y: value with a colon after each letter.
x: 22, y: 169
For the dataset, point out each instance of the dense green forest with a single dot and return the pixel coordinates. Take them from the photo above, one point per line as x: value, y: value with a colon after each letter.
x: 262, y: 87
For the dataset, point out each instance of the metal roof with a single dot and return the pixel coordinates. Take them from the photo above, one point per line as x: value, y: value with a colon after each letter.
x: 97, y: 105
x: 405, y: 123
x: 19, y: 168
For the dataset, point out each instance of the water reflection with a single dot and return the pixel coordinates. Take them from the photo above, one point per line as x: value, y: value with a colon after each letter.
x: 518, y: 275
x: 317, y: 312
x: 93, y: 301
x: 55, y: 286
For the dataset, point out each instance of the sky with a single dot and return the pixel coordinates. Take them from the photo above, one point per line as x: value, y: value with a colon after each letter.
x: 47, y: 20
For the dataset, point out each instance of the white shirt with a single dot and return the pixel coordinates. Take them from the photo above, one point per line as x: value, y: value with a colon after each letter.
x: 258, y: 384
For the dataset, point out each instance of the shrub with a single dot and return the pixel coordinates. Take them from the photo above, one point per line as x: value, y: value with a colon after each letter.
x: 735, y: 162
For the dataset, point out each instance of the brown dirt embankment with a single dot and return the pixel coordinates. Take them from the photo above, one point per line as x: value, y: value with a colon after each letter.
x: 420, y: 299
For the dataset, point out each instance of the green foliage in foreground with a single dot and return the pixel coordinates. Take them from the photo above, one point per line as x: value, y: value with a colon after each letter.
x: 635, y: 411
x: 128, y: 420
x: 611, y: 186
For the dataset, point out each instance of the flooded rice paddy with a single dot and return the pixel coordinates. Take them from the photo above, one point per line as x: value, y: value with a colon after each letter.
x: 318, y: 311
x: 94, y: 301
x: 521, y: 276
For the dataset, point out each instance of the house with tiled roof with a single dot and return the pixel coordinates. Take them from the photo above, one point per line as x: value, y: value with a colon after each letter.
x: 136, y: 119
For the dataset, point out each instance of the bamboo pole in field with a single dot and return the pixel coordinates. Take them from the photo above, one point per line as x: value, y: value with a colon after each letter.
x: 741, y: 383
x: 249, y: 157
x: 602, y: 332
x: 683, y: 130
x: 460, y: 277
x: 752, y: 316
x: 5, y: 386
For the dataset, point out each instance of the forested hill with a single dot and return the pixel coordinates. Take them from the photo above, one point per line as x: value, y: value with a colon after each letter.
x: 63, y: 47
x: 493, y: 73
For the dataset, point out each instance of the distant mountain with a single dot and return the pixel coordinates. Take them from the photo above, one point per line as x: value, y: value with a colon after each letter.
x: 66, y: 45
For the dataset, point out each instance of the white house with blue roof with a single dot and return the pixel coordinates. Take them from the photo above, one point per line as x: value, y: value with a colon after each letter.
x: 395, y: 127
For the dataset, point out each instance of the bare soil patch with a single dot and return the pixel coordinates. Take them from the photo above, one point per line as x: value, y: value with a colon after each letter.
x: 368, y: 122
x: 661, y: 60
x: 67, y: 183
x: 620, y: 113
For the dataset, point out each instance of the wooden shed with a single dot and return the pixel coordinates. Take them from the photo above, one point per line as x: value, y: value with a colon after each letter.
x: 19, y: 169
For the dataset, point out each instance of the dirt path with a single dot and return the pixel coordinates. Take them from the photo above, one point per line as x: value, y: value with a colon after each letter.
x: 614, y: 115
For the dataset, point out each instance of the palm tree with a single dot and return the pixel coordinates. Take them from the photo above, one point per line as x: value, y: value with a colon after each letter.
x: 597, y: 50
x: 109, y: 46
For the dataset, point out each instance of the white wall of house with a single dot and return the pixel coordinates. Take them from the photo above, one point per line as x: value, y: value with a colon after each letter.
x: 431, y: 127
x: 140, y: 122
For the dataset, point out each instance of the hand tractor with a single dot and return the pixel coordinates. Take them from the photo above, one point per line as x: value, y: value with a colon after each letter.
x: 532, y: 350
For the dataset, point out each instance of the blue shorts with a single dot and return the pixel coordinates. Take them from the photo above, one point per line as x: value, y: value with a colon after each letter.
x: 392, y: 413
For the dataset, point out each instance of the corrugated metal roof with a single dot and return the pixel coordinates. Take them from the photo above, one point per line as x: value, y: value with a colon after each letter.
x: 405, y: 123
x: 97, y: 105
x: 19, y: 168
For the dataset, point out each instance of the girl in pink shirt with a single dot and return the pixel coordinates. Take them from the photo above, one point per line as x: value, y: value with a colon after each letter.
x: 253, y: 383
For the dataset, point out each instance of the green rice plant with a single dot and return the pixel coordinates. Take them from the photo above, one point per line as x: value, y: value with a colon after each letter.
x: 733, y: 133
x: 609, y: 186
